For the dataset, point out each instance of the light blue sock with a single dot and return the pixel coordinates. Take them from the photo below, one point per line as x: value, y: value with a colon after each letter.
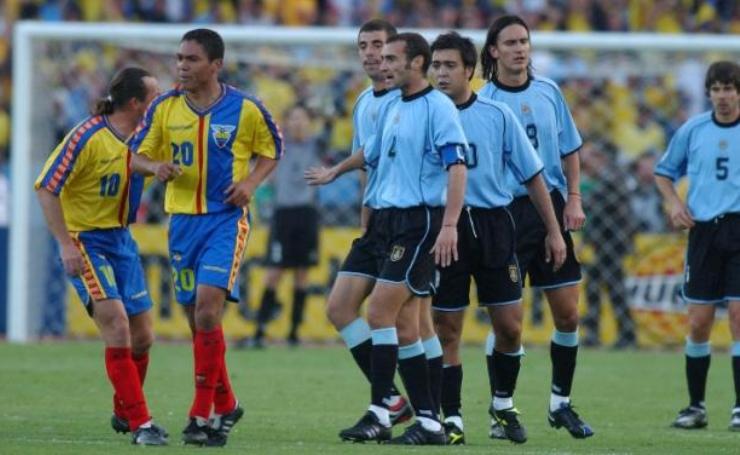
x: 735, y: 350
x: 355, y: 333
x: 518, y: 353
x: 386, y: 335
x: 490, y: 343
x: 694, y: 349
x: 567, y: 339
x: 432, y: 347
x: 410, y: 350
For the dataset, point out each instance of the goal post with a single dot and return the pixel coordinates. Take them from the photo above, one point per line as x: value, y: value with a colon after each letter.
x: 29, y: 248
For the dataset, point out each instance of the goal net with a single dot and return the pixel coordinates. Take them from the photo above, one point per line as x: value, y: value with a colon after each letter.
x: 628, y: 93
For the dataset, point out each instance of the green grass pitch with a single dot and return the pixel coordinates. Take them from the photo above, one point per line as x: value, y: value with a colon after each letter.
x: 56, y: 400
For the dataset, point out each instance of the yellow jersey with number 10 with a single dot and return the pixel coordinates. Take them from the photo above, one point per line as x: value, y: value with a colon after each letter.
x: 89, y: 171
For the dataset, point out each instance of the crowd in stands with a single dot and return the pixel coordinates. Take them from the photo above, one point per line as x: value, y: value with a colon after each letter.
x: 629, y: 105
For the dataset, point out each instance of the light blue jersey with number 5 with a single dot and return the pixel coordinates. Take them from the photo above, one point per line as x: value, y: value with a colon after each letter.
x: 708, y: 153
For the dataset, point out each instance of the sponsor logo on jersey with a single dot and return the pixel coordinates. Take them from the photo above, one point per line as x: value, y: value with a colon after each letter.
x: 222, y: 134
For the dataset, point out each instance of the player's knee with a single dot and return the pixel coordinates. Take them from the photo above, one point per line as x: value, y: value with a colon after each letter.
x: 509, y: 336
x: 338, y: 314
x: 117, y: 329
x: 141, y: 342
x: 566, y: 322
x: 700, y: 328
x: 447, y: 331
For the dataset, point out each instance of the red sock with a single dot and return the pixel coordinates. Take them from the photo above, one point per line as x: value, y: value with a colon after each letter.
x: 129, y: 396
x: 224, y: 400
x: 142, y: 363
x: 208, y: 352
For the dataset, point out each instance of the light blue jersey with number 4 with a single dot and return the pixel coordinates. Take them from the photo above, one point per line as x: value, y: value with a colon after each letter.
x: 541, y: 109
x: 709, y: 154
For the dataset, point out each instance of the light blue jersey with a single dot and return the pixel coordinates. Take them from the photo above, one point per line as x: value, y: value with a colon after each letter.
x: 497, y: 145
x: 421, y: 137
x: 541, y: 109
x: 365, y: 120
x: 708, y: 153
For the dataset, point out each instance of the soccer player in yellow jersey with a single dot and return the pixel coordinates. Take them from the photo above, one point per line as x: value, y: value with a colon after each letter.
x: 88, y: 197
x: 200, y: 137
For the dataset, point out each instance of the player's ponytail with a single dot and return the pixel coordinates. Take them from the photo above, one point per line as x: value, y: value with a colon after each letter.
x: 126, y: 84
x: 487, y: 62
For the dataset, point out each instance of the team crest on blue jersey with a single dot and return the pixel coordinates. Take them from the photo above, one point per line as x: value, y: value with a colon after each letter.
x: 222, y: 134
x: 722, y: 144
x: 526, y: 109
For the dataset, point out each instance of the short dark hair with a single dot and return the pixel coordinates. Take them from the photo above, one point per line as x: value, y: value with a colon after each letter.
x: 416, y: 45
x: 487, y: 62
x: 210, y: 41
x: 378, y: 25
x: 724, y: 72
x: 453, y: 40
x: 126, y: 84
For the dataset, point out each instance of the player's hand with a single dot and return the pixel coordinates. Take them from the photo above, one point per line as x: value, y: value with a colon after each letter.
x: 445, y: 248
x: 573, y: 216
x: 680, y: 216
x: 319, y: 175
x: 72, y: 259
x: 239, y: 193
x: 555, y: 250
x: 167, y: 171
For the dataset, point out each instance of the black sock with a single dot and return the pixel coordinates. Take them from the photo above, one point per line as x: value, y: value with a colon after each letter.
x: 696, y: 377
x: 451, y: 401
x: 296, y: 316
x: 362, y: 353
x: 383, y: 366
x: 266, y: 306
x: 435, y: 381
x: 563, y: 367
x: 507, y: 372
x: 415, y: 374
x: 736, y: 377
x: 491, y: 366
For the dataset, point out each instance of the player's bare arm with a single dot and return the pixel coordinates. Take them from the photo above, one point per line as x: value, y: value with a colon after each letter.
x: 52, y: 208
x: 677, y: 211
x: 164, y: 172
x: 445, y: 248
x: 323, y: 175
x: 573, y: 215
x: 555, y: 249
x: 241, y: 192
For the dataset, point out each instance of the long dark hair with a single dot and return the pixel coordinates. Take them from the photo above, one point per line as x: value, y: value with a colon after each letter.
x: 126, y: 84
x: 487, y: 62
x: 724, y: 72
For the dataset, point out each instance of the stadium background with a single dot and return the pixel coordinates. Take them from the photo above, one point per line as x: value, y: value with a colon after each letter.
x: 628, y: 104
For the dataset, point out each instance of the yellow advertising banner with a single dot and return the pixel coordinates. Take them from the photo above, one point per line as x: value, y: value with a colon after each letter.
x: 653, y: 271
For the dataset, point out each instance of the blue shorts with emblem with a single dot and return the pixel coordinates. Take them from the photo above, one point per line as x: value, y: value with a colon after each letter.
x: 112, y: 270
x: 207, y: 249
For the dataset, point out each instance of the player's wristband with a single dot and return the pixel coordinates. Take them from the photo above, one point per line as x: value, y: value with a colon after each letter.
x: 574, y: 194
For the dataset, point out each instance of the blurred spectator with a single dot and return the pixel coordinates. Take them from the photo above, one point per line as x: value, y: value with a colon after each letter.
x: 294, y: 233
x: 609, y: 232
x: 645, y: 200
x: 643, y: 135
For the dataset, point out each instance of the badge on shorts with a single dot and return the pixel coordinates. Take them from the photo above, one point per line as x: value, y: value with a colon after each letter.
x: 397, y: 253
x: 514, y: 273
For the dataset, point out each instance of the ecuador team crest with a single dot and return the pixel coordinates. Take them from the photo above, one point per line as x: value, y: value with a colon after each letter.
x: 222, y: 134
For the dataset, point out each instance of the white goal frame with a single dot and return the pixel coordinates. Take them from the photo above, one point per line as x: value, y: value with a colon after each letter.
x: 20, y: 329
